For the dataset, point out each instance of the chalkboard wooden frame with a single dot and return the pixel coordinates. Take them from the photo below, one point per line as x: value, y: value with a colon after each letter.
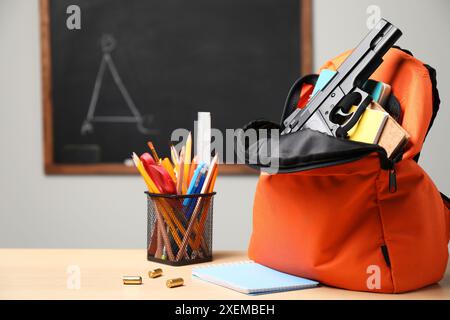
x: 50, y: 167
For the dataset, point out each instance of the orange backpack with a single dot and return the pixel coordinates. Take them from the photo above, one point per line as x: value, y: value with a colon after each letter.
x: 341, y: 212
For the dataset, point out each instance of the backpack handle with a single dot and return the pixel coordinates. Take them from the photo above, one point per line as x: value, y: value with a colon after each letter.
x: 294, y: 94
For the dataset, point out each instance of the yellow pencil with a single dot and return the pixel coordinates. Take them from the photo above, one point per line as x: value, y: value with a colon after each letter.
x: 165, y: 209
x: 162, y: 205
x: 180, y: 174
x: 169, y: 168
x: 148, y: 181
x: 187, y: 162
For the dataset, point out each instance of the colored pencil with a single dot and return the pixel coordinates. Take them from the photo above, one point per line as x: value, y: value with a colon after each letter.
x: 187, y: 162
x: 153, y: 152
x: 174, y: 156
x: 192, y: 169
x: 197, y: 208
x: 180, y: 175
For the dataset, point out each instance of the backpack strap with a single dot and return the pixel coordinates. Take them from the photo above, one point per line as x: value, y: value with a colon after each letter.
x: 435, y: 94
x: 446, y: 201
x: 436, y: 100
x: 295, y: 94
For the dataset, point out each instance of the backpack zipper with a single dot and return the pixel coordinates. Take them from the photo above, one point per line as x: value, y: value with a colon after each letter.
x: 393, y: 173
x: 392, y: 180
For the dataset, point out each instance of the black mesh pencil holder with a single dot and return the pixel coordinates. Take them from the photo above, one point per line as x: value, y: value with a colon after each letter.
x: 179, y: 228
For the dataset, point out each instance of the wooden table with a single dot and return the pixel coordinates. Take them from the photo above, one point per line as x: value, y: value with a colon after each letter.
x: 52, y: 274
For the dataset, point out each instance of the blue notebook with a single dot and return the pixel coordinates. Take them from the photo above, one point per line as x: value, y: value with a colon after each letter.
x: 251, y: 278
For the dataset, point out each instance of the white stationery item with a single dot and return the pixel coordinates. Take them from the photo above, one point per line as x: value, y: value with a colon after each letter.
x: 204, y: 137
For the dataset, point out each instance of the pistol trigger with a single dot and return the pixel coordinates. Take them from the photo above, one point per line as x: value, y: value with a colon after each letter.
x: 355, y: 117
x: 338, y: 115
x: 348, y: 118
x: 343, y: 114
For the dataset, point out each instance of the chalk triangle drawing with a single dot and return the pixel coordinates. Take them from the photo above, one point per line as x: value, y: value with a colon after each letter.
x: 108, y: 44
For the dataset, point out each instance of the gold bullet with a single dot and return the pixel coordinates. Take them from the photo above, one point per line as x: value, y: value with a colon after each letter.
x: 155, y: 273
x: 172, y: 283
x: 132, y: 280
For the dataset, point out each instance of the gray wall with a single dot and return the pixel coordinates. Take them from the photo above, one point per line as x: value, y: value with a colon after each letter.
x: 60, y: 211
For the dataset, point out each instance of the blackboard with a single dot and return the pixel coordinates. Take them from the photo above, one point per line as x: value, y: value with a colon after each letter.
x: 136, y: 70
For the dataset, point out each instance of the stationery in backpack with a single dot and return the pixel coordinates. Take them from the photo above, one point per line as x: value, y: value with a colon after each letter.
x: 393, y: 137
x: 379, y: 91
x: 369, y: 127
x: 251, y: 278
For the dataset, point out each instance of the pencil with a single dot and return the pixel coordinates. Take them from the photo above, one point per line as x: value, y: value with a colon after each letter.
x: 159, y: 241
x: 192, y: 169
x: 153, y: 152
x: 187, y: 162
x: 180, y: 172
x: 174, y: 156
x: 204, y: 213
x: 148, y: 181
x: 163, y: 207
x: 169, y: 168
x: 187, y: 235
x: 162, y: 231
x: 152, y: 246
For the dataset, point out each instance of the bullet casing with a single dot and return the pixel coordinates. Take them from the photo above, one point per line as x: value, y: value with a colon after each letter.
x: 133, y: 280
x: 172, y: 283
x: 155, y: 273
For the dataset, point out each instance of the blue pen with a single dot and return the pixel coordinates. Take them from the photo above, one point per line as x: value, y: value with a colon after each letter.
x: 198, y: 189
x: 192, y: 184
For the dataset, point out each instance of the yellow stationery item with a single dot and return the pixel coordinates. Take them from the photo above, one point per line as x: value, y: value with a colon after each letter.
x: 148, y: 181
x: 180, y: 174
x: 162, y: 206
x: 369, y: 127
x: 187, y: 162
x: 169, y: 168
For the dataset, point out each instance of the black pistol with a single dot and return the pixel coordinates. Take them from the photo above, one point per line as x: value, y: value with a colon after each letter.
x: 332, y: 104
